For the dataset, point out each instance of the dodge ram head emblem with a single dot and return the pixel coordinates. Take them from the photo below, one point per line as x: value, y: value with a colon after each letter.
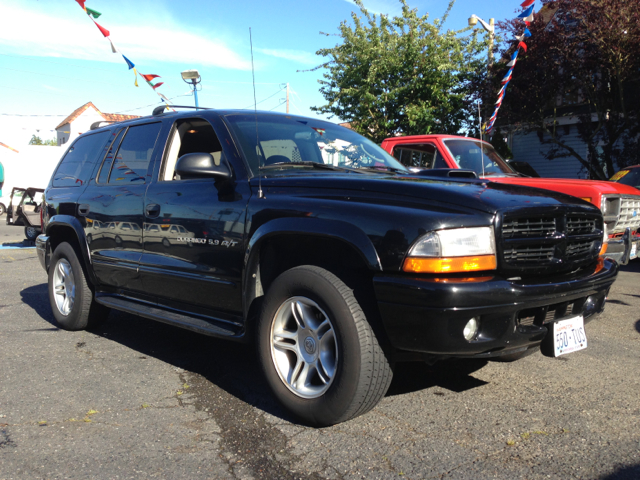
x: 310, y: 345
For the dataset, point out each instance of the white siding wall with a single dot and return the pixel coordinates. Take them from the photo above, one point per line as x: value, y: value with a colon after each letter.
x: 82, y: 124
x: 527, y: 148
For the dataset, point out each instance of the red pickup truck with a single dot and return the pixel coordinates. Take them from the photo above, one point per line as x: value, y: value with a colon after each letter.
x: 620, y: 204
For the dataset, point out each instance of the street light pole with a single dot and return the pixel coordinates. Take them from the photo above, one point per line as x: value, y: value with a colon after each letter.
x: 490, y: 29
x: 192, y: 77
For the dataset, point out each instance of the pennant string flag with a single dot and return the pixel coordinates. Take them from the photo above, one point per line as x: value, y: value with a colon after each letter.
x: 527, y: 16
x: 93, y: 14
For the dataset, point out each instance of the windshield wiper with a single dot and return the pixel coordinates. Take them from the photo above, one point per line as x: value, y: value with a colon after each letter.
x: 319, y: 166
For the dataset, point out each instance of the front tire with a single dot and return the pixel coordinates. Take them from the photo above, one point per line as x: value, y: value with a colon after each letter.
x: 71, y: 299
x: 3, y: 209
x: 319, y: 354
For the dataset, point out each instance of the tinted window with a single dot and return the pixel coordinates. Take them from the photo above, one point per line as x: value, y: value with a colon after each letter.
x: 477, y: 156
x: 132, y: 160
x: 110, y: 149
x: 628, y: 177
x: 78, y: 163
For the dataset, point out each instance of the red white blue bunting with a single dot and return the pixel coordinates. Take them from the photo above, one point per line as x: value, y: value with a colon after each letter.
x: 527, y: 16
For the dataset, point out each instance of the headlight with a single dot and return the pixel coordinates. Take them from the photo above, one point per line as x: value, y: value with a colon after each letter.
x: 455, y: 250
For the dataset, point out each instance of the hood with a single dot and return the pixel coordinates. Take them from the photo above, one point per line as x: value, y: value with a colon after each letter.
x: 575, y: 187
x: 479, y: 195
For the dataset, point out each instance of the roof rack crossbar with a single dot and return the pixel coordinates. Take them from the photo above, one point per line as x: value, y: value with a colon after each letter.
x: 160, y: 109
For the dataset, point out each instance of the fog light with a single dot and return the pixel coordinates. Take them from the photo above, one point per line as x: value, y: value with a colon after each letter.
x: 471, y: 329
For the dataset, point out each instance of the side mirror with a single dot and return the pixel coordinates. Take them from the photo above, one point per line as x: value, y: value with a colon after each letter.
x: 202, y: 165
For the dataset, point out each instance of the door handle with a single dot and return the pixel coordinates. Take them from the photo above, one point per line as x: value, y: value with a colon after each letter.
x: 152, y: 210
x: 83, y: 209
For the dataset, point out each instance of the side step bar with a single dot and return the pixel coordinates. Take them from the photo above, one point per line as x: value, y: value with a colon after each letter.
x: 214, y: 327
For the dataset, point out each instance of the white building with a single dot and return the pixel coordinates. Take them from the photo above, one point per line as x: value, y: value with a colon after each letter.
x: 81, y: 119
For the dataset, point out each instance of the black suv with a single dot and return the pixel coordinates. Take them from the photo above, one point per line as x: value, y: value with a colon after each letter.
x: 313, y: 242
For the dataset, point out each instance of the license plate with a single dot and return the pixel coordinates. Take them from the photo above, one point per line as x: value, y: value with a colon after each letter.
x: 634, y: 251
x: 569, y: 335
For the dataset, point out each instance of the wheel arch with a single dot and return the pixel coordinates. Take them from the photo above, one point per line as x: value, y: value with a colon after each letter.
x: 297, y: 241
x: 66, y: 228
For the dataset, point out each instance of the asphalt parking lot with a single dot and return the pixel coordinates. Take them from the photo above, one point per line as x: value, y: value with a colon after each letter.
x: 140, y: 399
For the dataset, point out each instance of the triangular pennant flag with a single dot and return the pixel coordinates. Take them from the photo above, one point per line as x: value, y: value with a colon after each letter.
x: 523, y: 46
x: 81, y: 3
x: 527, y: 12
x: 512, y: 63
x: 527, y: 23
x: 528, y: 20
x: 129, y: 62
x: 149, y: 77
x: 506, y: 80
x: 104, y: 31
x: 136, y: 74
x: 113, y: 47
x: 527, y: 33
x: 526, y: 3
x: 520, y: 37
x: 508, y: 74
x: 156, y: 85
x: 92, y: 12
x: 164, y: 98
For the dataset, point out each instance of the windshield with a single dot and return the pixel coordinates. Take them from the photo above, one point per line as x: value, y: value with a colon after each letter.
x: 467, y: 155
x: 285, y: 141
x: 628, y: 177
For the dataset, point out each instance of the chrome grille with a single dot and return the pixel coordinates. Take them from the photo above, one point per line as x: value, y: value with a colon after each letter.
x: 536, y: 227
x: 629, y: 215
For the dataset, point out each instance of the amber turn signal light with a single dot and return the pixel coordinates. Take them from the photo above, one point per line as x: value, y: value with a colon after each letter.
x: 603, y: 250
x: 449, y: 265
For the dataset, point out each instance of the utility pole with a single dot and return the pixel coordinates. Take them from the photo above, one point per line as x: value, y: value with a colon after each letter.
x: 287, y: 98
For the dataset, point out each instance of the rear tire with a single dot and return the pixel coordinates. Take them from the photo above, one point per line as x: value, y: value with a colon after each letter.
x: 319, y: 354
x: 3, y: 209
x: 71, y: 299
x: 31, y: 233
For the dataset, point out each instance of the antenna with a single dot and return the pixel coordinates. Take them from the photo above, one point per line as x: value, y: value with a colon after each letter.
x: 255, y: 112
x: 481, y: 145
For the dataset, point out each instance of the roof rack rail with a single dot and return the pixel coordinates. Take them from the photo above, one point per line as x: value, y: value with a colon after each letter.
x: 99, y: 123
x: 160, y: 109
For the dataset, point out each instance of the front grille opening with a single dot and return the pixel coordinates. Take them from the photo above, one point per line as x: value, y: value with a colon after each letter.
x: 533, y: 254
x: 580, y: 225
x: 529, y: 227
x: 542, y: 315
x: 577, y: 249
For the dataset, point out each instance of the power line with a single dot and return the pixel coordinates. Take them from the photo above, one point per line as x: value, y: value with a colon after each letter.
x: 264, y: 100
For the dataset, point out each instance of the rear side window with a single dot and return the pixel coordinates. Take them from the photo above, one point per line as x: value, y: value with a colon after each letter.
x: 77, y: 165
x: 134, y: 155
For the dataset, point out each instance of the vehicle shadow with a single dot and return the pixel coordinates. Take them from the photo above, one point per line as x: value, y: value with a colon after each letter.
x: 234, y: 367
x: 453, y: 375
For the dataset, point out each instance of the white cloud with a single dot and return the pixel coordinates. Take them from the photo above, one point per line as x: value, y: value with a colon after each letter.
x: 29, y: 32
x: 299, y: 56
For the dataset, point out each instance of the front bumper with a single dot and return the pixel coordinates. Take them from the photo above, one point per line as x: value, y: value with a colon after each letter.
x: 44, y: 250
x: 428, y: 315
x: 624, y: 248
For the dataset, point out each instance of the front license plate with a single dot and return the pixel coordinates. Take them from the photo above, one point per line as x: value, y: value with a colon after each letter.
x: 569, y: 335
x: 634, y: 251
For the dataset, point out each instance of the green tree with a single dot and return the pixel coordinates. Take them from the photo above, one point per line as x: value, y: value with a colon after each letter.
x: 401, y: 75
x: 36, y: 140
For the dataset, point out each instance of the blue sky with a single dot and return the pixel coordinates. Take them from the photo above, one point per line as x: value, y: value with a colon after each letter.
x: 53, y: 59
